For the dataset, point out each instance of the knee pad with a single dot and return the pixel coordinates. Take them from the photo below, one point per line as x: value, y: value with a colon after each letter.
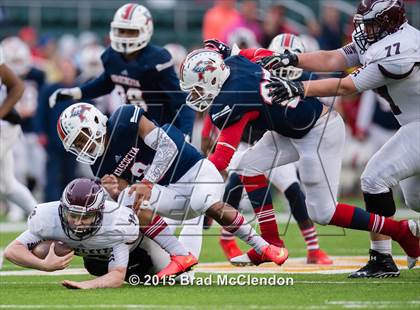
x: 318, y: 216
x: 233, y: 191
x: 297, y: 203
x: 381, y: 204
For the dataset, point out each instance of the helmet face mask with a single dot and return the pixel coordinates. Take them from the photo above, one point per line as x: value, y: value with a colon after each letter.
x: 81, y: 208
x: 202, y: 75
x: 82, y: 129
x: 86, y: 146
x: 131, y: 28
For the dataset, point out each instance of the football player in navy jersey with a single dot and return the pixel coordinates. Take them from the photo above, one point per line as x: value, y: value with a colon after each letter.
x: 236, y: 91
x: 168, y: 176
x: 142, y: 73
x: 284, y: 178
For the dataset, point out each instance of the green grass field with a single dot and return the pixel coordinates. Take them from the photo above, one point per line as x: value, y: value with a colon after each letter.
x: 309, y: 291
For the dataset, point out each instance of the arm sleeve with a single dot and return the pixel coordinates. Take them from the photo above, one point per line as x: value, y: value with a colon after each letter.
x: 255, y: 54
x: 368, y: 77
x: 119, y: 257
x: 208, y: 127
x: 100, y: 86
x: 169, y: 83
x: 229, y: 140
x: 29, y: 239
x: 350, y: 54
x: 166, y: 152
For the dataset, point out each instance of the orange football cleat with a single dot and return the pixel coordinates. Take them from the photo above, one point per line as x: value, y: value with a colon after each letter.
x: 230, y: 248
x: 178, y: 265
x: 318, y: 257
x: 274, y: 254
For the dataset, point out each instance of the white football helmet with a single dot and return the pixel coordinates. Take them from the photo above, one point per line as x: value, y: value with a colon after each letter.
x: 131, y: 16
x: 90, y: 61
x: 17, y: 55
x: 202, y: 75
x: 294, y: 44
x: 82, y: 129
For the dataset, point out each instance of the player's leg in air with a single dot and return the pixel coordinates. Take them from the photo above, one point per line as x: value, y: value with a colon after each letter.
x: 388, y: 167
x: 285, y: 179
x: 319, y: 171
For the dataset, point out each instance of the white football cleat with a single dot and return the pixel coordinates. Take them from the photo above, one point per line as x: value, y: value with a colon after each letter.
x: 241, y: 261
x: 414, y: 226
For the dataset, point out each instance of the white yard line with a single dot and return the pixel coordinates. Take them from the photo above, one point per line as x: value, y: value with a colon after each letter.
x: 342, y: 264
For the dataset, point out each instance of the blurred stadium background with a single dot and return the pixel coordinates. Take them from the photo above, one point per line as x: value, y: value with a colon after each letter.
x: 58, y: 31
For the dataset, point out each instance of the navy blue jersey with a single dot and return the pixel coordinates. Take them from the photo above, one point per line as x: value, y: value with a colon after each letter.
x: 127, y: 156
x: 27, y: 105
x: 244, y: 91
x: 149, y: 80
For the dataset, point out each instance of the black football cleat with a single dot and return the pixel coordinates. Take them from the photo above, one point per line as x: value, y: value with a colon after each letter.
x: 379, y: 266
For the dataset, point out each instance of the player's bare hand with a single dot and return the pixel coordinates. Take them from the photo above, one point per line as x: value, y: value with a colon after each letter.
x: 143, y: 192
x: 110, y: 183
x: 75, y: 285
x: 53, y: 262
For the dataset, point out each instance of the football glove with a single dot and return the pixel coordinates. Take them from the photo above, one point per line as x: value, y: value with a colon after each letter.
x: 60, y: 94
x: 277, y: 61
x: 282, y: 90
x: 218, y: 46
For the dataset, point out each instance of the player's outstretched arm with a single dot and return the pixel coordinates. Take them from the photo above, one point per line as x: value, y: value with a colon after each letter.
x: 14, y: 87
x: 19, y: 254
x: 322, y: 61
x: 113, y: 279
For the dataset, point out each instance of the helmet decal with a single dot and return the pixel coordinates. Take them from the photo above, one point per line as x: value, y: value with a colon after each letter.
x: 203, y: 66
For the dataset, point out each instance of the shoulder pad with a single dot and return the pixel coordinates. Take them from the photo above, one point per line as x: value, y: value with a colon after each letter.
x: 107, y: 55
x: 127, y: 224
x: 396, y: 48
x: 161, y: 58
x: 44, y: 218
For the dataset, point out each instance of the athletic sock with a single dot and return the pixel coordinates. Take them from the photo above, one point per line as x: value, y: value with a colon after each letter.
x: 246, y: 233
x: 382, y: 246
x: 311, y: 238
x: 260, y: 197
x: 159, y: 232
x: 355, y: 218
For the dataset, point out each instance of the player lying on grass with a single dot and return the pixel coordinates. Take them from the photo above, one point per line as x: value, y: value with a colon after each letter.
x: 105, y: 233
x: 161, y: 168
x: 236, y: 90
x: 387, y: 48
